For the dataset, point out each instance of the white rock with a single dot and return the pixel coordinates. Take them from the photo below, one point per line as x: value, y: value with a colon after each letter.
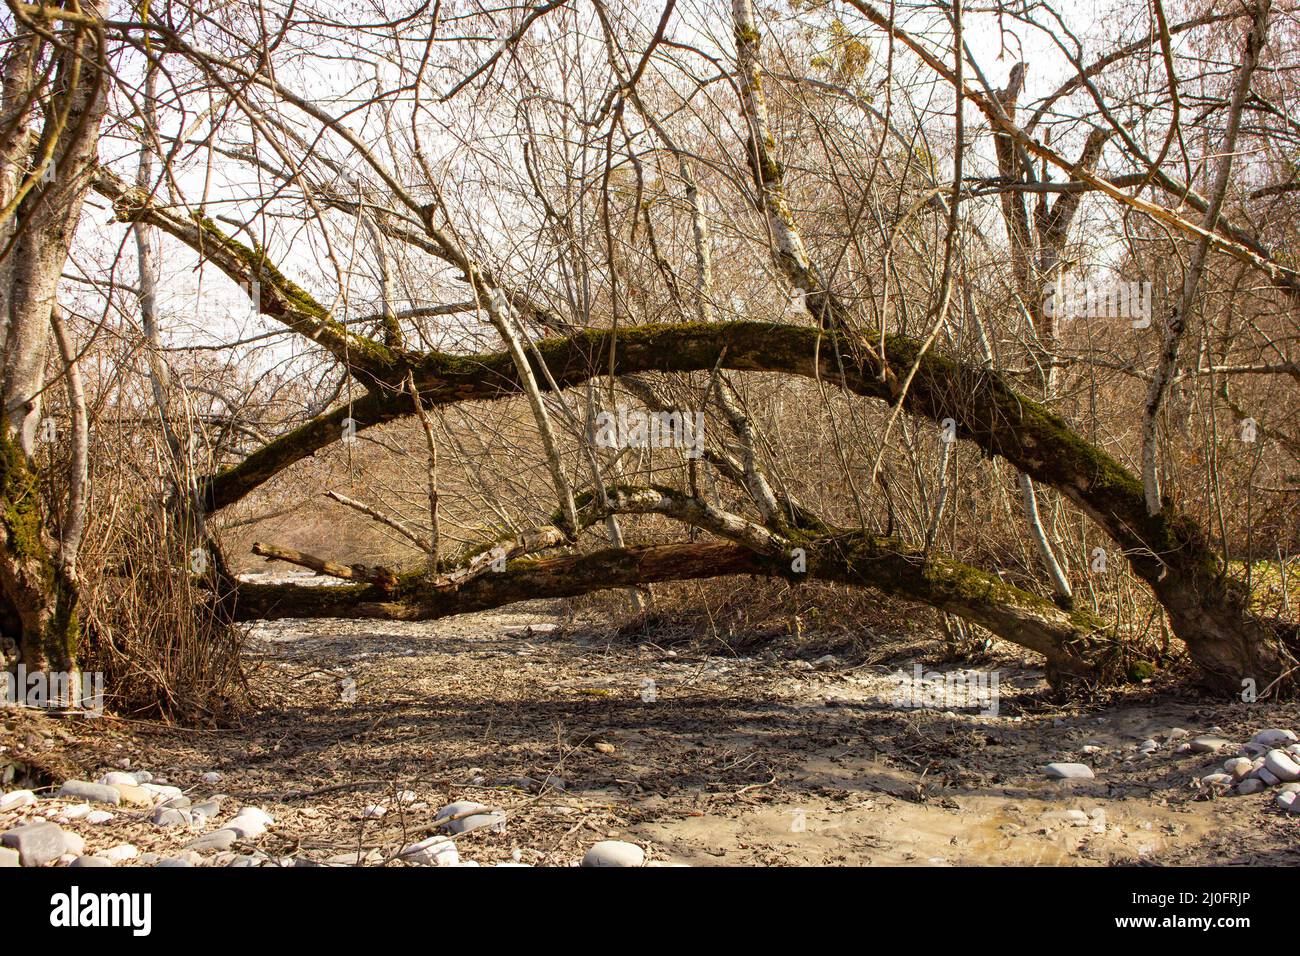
x: 115, y: 777
x: 1274, y: 737
x: 1217, y: 780
x: 1069, y: 771
x: 435, y: 851
x: 1287, y: 801
x: 98, y: 816
x: 142, y: 777
x: 75, y: 812
x: 211, y: 776
x: 246, y: 827
x: 614, y: 853
x: 406, y: 796
x: 1176, y: 733
x: 376, y: 812
x: 16, y: 798
x: 119, y: 853
x: 1294, y: 749
x: 1291, y: 788
x: 73, y: 843
x: 1147, y: 746
x: 1280, y: 765
x: 162, y: 792
x: 1208, y: 744
x: 473, y: 821
x: 256, y: 813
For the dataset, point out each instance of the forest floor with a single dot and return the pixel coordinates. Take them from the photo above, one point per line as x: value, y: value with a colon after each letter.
x: 699, y: 758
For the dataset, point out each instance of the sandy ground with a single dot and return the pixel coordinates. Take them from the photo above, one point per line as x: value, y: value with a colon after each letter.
x: 723, y: 760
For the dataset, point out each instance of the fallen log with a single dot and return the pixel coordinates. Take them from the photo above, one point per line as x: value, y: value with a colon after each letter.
x: 1075, y: 645
x: 379, y: 576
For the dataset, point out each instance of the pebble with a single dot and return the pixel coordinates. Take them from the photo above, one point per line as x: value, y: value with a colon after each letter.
x: 222, y: 839
x: 170, y: 817
x: 435, y: 851
x: 1274, y: 736
x: 1287, y: 801
x: 73, y: 843
x: 142, y: 776
x: 1217, y: 780
x: 1090, y: 749
x: 211, y: 776
x: 614, y: 853
x: 74, y: 812
x: 1291, y: 788
x: 1253, y: 785
x: 113, y: 778
x: 135, y: 796
x: 208, y: 808
x: 162, y: 792
x: 1263, y: 773
x: 121, y: 852
x: 1208, y: 745
x: 1069, y: 771
x: 488, y: 818
x: 258, y: 814
x: 1239, y: 767
x: 246, y: 827
x: 98, y: 816
x: 16, y: 798
x: 1280, y: 765
x: 9, y: 858
x: 1176, y: 733
x: 93, y: 792
x: 406, y: 796
x: 376, y: 812
x: 82, y: 862
x: 36, y: 843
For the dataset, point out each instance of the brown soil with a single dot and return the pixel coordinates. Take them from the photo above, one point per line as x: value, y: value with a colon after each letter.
x: 739, y: 760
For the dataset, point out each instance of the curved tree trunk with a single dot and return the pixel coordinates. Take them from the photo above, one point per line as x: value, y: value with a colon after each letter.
x: 1169, y: 551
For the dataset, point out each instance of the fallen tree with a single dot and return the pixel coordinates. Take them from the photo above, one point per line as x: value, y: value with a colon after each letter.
x: 1075, y: 645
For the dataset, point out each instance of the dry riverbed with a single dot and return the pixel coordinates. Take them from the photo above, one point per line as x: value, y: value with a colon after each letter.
x: 366, y: 730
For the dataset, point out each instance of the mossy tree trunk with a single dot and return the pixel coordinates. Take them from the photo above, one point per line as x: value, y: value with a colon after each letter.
x: 1074, y: 645
x: 47, y: 162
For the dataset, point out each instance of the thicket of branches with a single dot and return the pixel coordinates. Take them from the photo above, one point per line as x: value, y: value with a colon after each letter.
x: 359, y: 285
